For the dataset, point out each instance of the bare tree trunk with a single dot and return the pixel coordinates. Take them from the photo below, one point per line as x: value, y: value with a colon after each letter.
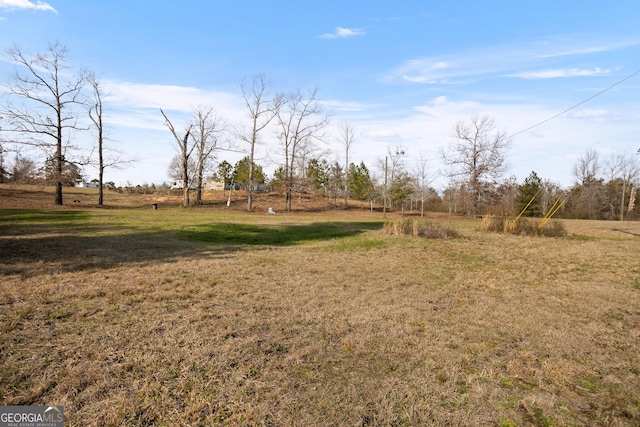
x: 101, y: 179
x: 298, y: 130
x: 347, y: 134
x: 185, y: 153
x: 41, y: 82
x: 59, y: 160
x: 261, y: 112
x: 95, y: 114
x: 250, y: 195
x: 208, y: 127
x: 97, y: 121
x: 199, y: 183
x: 185, y: 175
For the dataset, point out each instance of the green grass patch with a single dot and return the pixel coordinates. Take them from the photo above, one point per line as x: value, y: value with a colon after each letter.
x: 30, y: 221
x: 274, y: 234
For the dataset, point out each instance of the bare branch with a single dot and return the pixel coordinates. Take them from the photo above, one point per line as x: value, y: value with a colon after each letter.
x: 476, y: 154
x: 262, y: 110
x: 47, y: 116
x: 300, y: 125
x: 185, y: 153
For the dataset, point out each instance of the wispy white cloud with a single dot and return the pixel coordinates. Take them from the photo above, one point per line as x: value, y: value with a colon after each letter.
x: 506, y: 60
x: 563, y: 47
x: 11, y: 5
x: 561, y: 72
x: 152, y: 95
x: 341, y: 32
x: 439, y: 70
x: 346, y: 106
x: 137, y: 105
x: 383, y: 133
x: 428, y: 71
x: 598, y: 115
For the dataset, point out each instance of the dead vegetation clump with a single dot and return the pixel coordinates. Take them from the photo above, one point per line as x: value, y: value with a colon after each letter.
x: 420, y: 228
x: 523, y: 226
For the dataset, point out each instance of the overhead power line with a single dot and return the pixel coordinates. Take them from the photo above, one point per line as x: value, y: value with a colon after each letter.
x: 577, y: 105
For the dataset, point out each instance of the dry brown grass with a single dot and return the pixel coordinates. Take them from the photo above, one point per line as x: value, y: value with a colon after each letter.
x: 125, y: 322
x: 523, y: 226
x: 36, y: 197
x: 420, y: 228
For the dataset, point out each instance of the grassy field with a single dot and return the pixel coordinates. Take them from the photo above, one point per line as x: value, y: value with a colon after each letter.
x: 211, y: 316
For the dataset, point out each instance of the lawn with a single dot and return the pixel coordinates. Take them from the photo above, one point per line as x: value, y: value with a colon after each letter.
x: 130, y: 316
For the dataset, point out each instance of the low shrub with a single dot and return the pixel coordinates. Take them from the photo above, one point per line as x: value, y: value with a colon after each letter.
x: 493, y: 223
x: 523, y: 226
x: 421, y: 228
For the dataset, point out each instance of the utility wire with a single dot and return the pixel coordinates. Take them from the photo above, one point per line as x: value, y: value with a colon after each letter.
x: 577, y: 105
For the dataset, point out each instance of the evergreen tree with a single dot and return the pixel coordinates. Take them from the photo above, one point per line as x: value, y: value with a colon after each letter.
x: 401, y: 189
x: 526, y: 193
x: 360, y: 183
x: 241, y: 173
x: 224, y: 172
x: 335, y: 182
x: 318, y: 172
x: 277, y: 183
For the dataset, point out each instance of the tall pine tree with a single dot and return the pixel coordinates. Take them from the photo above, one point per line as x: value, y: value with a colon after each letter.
x: 528, y: 192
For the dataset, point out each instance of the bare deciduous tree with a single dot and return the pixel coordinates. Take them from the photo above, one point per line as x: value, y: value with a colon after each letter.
x: 394, y: 163
x: 300, y: 126
x: 49, y: 95
x: 551, y: 193
x: 185, y: 150
x: 347, y: 133
x: 477, y: 154
x: 96, y: 115
x: 586, y: 171
x: 423, y: 178
x: 174, y: 170
x: 106, y: 157
x: 390, y: 171
x: 262, y: 109
x: 587, y: 167
x: 627, y: 170
x: 207, y: 132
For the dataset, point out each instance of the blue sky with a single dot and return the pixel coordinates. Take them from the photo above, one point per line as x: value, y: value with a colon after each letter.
x: 403, y: 73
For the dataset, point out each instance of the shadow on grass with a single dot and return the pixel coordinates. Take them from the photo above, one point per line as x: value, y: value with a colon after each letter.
x: 28, y: 221
x: 279, y: 235
x: 35, y: 243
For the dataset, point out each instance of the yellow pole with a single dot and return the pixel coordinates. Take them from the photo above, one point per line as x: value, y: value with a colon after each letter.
x: 549, y: 212
x: 547, y: 219
x: 525, y: 208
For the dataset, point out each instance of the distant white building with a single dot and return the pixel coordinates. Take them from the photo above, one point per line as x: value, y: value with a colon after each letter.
x: 176, y: 185
x: 207, y: 185
x: 213, y: 185
x: 82, y: 184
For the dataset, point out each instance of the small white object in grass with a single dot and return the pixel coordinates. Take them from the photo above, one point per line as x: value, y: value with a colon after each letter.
x: 271, y: 211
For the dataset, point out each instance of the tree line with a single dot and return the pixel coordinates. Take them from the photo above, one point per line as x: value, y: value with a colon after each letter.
x: 48, y: 101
